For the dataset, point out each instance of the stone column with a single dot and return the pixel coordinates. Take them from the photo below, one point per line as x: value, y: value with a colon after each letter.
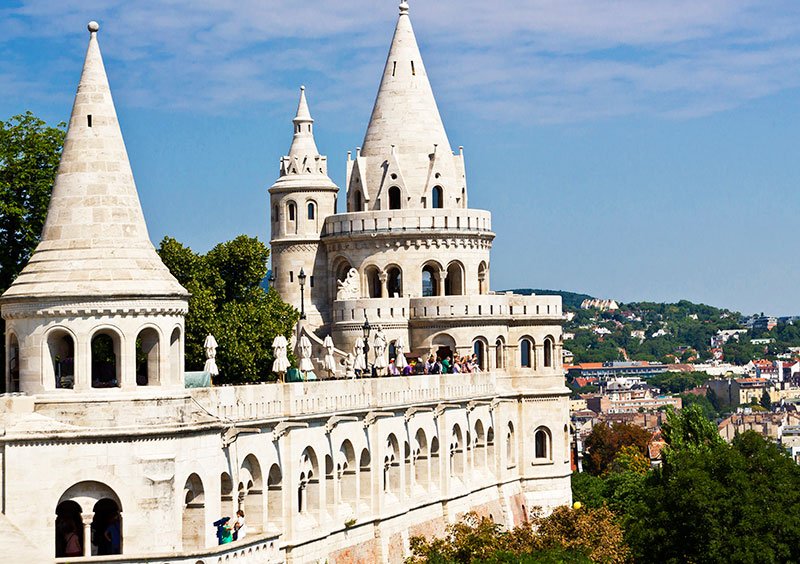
x: 87, y: 519
x: 440, y: 282
x: 383, y: 276
x: 83, y: 363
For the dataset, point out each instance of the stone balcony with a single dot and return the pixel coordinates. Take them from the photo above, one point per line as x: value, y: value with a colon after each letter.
x: 408, y: 222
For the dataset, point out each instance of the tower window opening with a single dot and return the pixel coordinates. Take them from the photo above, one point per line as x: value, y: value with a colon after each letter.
x: 291, y: 276
x: 309, y: 128
x: 437, y: 198
x: 89, y: 120
x: 311, y: 211
x: 311, y: 281
x: 394, y: 67
x: 291, y: 212
x: 395, y: 198
x: 413, y: 70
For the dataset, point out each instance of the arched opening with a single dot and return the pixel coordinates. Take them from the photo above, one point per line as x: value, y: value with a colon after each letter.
x: 511, y: 451
x: 147, y: 358
x: 437, y: 197
x: 454, y: 283
x: 430, y: 280
x: 373, y: 281
x: 340, y: 268
x: 308, y: 492
x: 291, y: 217
x: 12, y: 354
x: 312, y: 210
x: 106, y: 371
x: 499, y: 353
x: 175, y: 364
x: 69, y: 529
x: 548, y: 352
x: 479, y: 453
x: 253, y: 502
x: 483, y: 278
x: 479, y: 347
x: 394, y: 281
x: 491, y: 460
x: 358, y: 201
x: 194, y: 514
x: 541, y: 440
x: 525, y: 356
x: 61, y: 347
x: 395, y: 198
x: 365, y: 478
x: 330, y: 503
x: 456, y: 453
x: 226, y: 494
x: 106, y: 528
x: 275, y: 497
x: 348, y: 491
x: 421, y: 461
x: 408, y: 469
x: 435, y: 464
x: 391, y: 466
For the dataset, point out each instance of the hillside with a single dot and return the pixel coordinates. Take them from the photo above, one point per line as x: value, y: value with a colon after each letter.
x: 571, y: 300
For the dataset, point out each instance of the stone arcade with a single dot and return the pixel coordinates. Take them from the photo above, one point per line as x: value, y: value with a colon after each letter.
x: 342, y: 471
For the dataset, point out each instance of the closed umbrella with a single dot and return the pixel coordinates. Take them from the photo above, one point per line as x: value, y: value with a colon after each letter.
x: 329, y: 362
x: 281, y: 363
x: 305, y: 355
x: 210, y: 346
x: 400, y: 361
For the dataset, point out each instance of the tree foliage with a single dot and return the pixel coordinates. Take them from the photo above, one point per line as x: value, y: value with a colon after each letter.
x: 29, y: 154
x: 228, y: 302
x: 566, y: 535
x: 605, y: 442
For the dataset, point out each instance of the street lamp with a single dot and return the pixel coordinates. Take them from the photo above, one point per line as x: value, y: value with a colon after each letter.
x: 271, y: 280
x: 302, y: 278
x: 366, y: 328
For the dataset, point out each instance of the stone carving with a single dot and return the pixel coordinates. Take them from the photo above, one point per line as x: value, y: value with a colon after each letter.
x: 349, y: 288
x: 379, y: 343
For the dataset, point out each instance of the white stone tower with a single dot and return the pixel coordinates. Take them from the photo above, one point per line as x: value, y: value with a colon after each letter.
x: 300, y: 200
x: 95, y: 296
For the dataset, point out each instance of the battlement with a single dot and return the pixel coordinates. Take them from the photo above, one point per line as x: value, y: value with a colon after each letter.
x: 410, y: 221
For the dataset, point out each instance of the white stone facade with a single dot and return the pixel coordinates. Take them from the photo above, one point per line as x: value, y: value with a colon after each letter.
x: 339, y: 471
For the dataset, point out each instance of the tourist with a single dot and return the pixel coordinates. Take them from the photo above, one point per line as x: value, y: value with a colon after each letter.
x: 239, y: 527
x: 72, y: 542
x: 393, y: 371
x: 408, y: 369
x: 456, y: 366
x: 447, y: 365
x: 113, y: 535
x: 419, y: 367
x: 224, y: 535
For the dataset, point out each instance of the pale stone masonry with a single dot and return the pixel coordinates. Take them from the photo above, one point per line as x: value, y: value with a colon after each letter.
x: 99, y: 424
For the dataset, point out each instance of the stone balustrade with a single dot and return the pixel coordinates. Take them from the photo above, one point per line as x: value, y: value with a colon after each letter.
x: 407, y: 221
x: 270, y: 401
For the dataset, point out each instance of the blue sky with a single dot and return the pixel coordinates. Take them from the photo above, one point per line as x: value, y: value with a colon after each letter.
x: 631, y: 149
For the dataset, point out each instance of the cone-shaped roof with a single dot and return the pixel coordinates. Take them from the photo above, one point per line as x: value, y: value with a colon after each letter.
x: 303, y: 143
x: 95, y: 242
x: 405, y: 113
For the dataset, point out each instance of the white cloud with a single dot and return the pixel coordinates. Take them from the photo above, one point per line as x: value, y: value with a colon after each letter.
x: 544, y: 60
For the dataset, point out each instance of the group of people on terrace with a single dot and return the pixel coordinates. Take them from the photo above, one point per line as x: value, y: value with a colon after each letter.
x: 436, y: 365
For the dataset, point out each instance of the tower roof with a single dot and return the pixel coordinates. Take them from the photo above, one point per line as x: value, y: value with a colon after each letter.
x: 405, y: 114
x: 303, y: 143
x: 95, y: 242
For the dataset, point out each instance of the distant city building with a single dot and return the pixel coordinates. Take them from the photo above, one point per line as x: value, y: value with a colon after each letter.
x: 608, y: 370
x: 602, y: 305
x: 762, y: 323
x: 724, y: 335
x: 733, y: 392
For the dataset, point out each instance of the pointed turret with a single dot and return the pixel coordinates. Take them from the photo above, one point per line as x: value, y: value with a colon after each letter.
x: 95, y: 240
x: 406, y: 128
x: 303, y: 143
x: 405, y: 113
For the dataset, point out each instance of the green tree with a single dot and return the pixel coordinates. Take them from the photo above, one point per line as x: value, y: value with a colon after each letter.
x: 766, y: 401
x: 605, y: 442
x: 689, y: 429
x: 227, y: 300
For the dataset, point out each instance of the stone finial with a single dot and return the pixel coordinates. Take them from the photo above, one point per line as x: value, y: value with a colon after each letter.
x: 93, y: 27
x: 404, y: 7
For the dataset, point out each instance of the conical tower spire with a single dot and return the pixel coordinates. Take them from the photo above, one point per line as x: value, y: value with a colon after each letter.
x: 405, y: 113
x: 95, y: 241
x: 303, y: 143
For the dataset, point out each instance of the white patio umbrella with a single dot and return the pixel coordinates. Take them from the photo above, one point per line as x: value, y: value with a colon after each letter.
x: 400, y: 361
x: 281, y: 363
x: 305, y: 355
x: 360, y: 363
x: 329, y: 362
x: 210, y: 345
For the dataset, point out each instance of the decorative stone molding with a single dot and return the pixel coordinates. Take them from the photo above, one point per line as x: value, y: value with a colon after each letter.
x: 284, y: 427
x: 412, y: 411
x: 71, y: 308
x: 231, y: 433
x: 373, y: 416
x: 332, y: 422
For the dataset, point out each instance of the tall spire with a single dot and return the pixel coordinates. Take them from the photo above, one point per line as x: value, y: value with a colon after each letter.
x: 95, y: 241
x: 303, y: 143
x: 405, y: 113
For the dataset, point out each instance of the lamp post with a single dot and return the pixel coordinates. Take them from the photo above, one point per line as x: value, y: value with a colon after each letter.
x: 302, y: 278
x: 271, y: 280
x: 366, y: 328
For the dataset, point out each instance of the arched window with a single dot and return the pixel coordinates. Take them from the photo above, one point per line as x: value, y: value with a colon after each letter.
x: 358, y: 201
x: 102, y: 502
x: 311, y: 210
x: 226, y: 494
x: 437, y: 197
x: 253, y: 490
x: 275, y: 497
x: 391, y: 466
x: 12, y: 354
x: 175, y: 364
x: 542, y: 443
x: 454, y: 283
x: 394, y: 281
x: 479, y: 348
x: 364, y: 476
x: 292, y: 211
x: 194, y: 514
x: 275, y: 213
x: 548, y: 352
x: 483, y: 278
x: 106, y: 371
x: 430, y: 281
x: 457, y: 455
x: 61, y: 346
x: 511, y: 450
x: 525, y: 357
x: 498, y: 354
x: 421, y: 462
x: 308, y: 492
x: 395, y: 198
x: 147, y: 358
x: 347, y: 474
x: 374, y: 288
x: 435, y: 464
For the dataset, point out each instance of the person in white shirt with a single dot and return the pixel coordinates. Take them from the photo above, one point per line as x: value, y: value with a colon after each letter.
x: 239, y: 527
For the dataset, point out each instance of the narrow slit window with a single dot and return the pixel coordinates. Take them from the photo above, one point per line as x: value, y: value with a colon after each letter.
x: 89, y: 120
x: 291, y: 276
x: 394, y: 67
x: 311, y: 280
x: 413, y: 70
